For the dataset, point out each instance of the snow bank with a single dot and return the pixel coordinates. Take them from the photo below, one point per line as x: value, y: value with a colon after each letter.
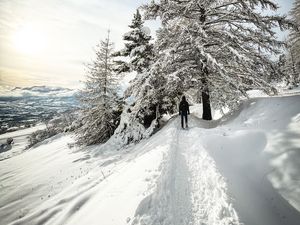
x: 257, y: 150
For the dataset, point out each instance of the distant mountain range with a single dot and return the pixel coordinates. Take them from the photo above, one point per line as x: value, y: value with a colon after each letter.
x: 42, y: 89
x: 24, y: 106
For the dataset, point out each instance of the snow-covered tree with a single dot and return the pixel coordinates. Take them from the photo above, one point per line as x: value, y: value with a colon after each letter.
x: 138, y: 48
x: 279, y: 73
x: 293, y: 54
x: 100, y: 105
x: 291, y: 70
x: 147, y: 100
x: 295, y: 34
x: 220, y: 47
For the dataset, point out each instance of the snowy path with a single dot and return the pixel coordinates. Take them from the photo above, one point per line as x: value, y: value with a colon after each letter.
x: 208, y: 190
x: 190, y: 190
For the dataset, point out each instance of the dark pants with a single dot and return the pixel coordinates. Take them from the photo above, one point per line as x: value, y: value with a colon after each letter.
x: 184, y: 116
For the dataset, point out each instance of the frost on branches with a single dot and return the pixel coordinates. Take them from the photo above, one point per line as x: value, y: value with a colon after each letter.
x: 132, y: 129
x: 293, y: 54
x: 100, y: 105
x: 220, y: 48
x: 295, y: 34
x: 288, y: 68
x: 136, y: 122
x: 288, y: 64
x: 137, y: 47
x: 151, y: 98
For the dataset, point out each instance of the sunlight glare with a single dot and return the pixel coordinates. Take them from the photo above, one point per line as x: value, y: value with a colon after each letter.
x: 29, y: 40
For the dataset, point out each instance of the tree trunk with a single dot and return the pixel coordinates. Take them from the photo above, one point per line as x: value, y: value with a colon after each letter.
x: 205, y: 97
x: 205, y: 91
x: 206, y: 105
x: 293, y: 76
x: 106, y: 68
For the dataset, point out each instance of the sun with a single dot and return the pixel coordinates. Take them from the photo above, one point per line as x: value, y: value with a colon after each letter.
x: 29, y: 40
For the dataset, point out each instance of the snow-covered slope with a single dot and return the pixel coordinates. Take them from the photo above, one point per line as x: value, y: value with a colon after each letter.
x: 242, y: 169
x: 258, y: 153
x: 20, y: 138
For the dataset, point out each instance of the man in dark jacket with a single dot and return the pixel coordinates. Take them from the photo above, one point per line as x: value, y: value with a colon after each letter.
x: 184, y: 110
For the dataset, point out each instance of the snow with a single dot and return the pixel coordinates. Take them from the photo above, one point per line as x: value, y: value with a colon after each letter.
x: 124, y: 83
x: 241, y: 169
x: 286, y: 91
x: 256, y: 94
x: 249, y: 153
x: 20, y: 138
x: 146, y: 30
x: 190, y: 189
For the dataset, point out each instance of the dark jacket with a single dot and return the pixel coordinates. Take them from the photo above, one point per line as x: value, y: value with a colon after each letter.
x: 184, y: 108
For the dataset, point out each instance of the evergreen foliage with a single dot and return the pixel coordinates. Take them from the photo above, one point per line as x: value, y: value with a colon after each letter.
x: 291, y: 69
x: 220, y: 48
x: 279, y: 74
x: 138, y: 48
x: 295, y: 34
x: 293, y: 54
x: 100, y: 104
x: 289, y: 63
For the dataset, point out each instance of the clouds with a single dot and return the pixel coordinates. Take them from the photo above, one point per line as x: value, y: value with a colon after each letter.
x: 71, y: 27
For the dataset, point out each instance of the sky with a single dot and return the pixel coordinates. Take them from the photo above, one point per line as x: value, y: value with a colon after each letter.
x: 48, y: 42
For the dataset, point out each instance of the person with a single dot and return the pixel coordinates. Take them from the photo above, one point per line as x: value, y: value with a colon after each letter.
x: 184, y: 110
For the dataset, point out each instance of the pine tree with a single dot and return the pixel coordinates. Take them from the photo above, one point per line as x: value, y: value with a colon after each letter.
x: 100, y: 105
x: 221, y: 47
x: 154, y: 96
x: 293, y: 53
x: 291, y: 67
x: 149, y: 99
x: 295, y: 34
x: 137, y: 47
x: 280, y: 74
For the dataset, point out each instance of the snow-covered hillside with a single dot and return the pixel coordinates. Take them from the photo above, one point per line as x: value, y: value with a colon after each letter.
x: 241, y: 169
x: 20, y: 139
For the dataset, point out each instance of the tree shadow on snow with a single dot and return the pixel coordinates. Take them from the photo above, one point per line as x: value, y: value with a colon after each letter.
x: 5, y: 148
x: 284, y: 156
x: 241, y: 159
